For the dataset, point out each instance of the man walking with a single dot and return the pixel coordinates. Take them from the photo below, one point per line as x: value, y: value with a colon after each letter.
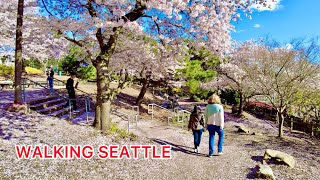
x: 71, y: 92
x: 50, y: 74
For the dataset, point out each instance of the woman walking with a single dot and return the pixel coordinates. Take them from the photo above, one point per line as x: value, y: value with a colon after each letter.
x: 214, y: 120
x: 196, y: 125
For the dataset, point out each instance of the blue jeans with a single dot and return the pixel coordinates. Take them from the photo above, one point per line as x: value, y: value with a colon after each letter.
x: 50, y: 84
x: 212, y: 131
x: 197, y: 137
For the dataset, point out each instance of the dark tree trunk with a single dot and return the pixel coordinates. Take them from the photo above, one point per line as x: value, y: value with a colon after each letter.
x: 102, y: 120
x: 97, y: 122
x: 240, y: 110
x: 105, y: 95
x: 281, y: 119
x: 143, y: 91
x: 146, y: 74
x: 18, y: 56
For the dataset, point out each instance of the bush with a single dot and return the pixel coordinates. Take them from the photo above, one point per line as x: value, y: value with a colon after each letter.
x: 6, y: 71
x: 230, y: 97
x: 87, y: 72
x: 33, y: 71
x: 32, y: 62
x: 120, y: 133
x: 83, y: 71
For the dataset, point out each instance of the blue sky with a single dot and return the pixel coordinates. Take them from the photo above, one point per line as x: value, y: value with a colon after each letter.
x: 289, y: 19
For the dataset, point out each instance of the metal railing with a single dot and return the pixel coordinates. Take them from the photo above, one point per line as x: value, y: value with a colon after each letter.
x: 151, y: 111
x: 128, y: 116
x: 74, y: 88
x: 183, y: 112
x: 177, y: 113
x: 87, y: 99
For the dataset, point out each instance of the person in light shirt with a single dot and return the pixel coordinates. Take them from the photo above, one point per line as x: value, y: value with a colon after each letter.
x: 214, y: 120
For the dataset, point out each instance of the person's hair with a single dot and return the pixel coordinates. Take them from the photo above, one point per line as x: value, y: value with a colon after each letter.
x: 214, y: 99
x: 196, y: 109
x: 72, y: 74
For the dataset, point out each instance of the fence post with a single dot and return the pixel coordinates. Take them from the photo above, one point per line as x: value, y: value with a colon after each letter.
x: 152, y: 112
x: 178, y: 115
x: 182, y: 118
x: 24, y: 90
x: 128, y: 123
x: 136, y: 117
x: 70, y: 113
x: 87, y: 109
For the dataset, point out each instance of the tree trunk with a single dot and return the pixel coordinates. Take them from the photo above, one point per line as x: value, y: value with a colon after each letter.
x: 18, y: 56
x: 143, y: 91
x: 105, y: 116
x: 102, y: 120
x: 240, y: 110
x: 97, y: 122
x: 281, y: 119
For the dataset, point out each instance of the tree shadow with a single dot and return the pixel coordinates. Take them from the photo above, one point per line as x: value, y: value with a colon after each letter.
x: 252, y: 173
x: 257, y: 158
x: 177, y: 148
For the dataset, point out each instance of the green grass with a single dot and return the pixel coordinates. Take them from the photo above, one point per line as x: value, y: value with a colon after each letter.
x: 121, y: 133
x: 33, y: 71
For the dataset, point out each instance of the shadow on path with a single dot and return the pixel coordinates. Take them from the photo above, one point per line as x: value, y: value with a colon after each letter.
x: 252, y: 173
x: 257, y: 158
x: 176, y: 147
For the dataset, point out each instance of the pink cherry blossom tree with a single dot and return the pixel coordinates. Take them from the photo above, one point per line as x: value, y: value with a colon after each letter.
x: 96, y: 25
x: 231, y: 74
x: 280, y: 73
x: 147, y: 60
x: 23, y: 31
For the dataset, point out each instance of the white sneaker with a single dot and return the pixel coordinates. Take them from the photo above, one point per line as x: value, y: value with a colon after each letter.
x: 198, y: 150
x: 220, y: 153
x: 195, y: 150
x: 76, y: 111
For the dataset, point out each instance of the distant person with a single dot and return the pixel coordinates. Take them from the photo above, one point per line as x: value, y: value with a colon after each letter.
x: 50, y: 74
x: 196, y: 124
x: 71, y: 92
x: 214, y: 120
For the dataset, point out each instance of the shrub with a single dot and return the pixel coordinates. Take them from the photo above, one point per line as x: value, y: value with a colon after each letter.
x: 120, y: 133
x: 83, y: 71
x: 230, y: 97
x: 32, y: 62
x: 87, y: 72
x: 33, y: 71
x: 6, y: 71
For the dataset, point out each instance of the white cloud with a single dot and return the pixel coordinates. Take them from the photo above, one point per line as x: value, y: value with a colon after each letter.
x: 270, y: 5
x: 257, y: 26
x: 289, y: 46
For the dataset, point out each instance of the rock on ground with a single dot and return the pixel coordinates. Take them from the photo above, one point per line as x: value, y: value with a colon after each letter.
x: 264, y: 171
x: 279, y: 156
